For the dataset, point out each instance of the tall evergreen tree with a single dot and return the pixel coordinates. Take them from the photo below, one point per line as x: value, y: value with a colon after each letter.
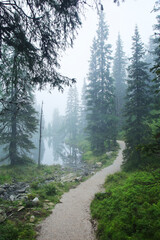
x: 17, y: 120
x: 156, y: 66
x: 100, y: 93
x: 57, y: 134
x: 119, y: 75
x: 137, y: 102
x: 72, y: 122
x: 83, y: 112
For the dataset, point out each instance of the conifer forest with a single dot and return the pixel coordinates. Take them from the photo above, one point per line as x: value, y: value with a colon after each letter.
x: 45, y: 150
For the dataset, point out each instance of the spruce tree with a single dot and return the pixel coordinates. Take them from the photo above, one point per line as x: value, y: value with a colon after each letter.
x: 119, y: 75
x: 156, y: 65
x: 57, y: 134
x: 72, y: 122
x: 83, y: 112
x: 100, y: 93
x: 137, y: 102
x: 17, y: 119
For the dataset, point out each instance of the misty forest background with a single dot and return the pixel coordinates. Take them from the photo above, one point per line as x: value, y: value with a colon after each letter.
x: 120, y: 100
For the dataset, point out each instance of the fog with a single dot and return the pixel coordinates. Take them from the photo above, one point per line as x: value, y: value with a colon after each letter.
x: 75, y: 61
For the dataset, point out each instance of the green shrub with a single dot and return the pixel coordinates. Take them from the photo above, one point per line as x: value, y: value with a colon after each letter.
x: 16, y: 231
x: 8, y: 231
x: 130, y: 207
x: 35, y: 185
x: 50, y: 189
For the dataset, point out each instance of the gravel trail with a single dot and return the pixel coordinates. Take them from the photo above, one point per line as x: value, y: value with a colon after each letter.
x: 70, y: 219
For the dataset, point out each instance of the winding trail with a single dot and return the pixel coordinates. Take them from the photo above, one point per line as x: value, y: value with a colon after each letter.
x: 70, y: 220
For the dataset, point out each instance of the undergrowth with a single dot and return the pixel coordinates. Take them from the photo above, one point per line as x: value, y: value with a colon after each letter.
x: 18, y: 225
x: 90, y: 158
x: 26, y: 173
x: 129, y: 209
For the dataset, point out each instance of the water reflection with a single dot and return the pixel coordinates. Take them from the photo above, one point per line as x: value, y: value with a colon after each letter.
x: 60, y: 154
x: 48, y: 157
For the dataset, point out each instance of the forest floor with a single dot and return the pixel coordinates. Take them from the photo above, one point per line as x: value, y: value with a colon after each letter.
x: 71, y: 219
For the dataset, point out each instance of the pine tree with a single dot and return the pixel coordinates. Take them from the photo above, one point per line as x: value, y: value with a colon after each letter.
x: 100, y: 93
x: 72, y: 122
x: 119, y: 76
x: 137, y: 102
x: 150, y: 58
x: 17, y: 121
x: 40, y: 30
x: 156, y: 65
x: 57, y: 134
x: 83, y: 112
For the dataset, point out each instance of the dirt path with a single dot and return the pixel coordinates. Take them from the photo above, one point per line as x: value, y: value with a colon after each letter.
x: 70, y: 220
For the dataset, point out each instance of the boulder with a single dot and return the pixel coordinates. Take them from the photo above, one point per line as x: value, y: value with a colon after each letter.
x: 2, y: 190
x: 78, y: 179
x: 98, y: 164
x: 68, y: 178
x: 35, y: 200
x: 12, y: 198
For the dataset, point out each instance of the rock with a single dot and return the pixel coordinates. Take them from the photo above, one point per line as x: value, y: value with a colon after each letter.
x: 12, y: 198
x: 86, y: 173
x: 20, y: 196
x: 78, y: 179
x: 2, y: 215
x: 18, y: 190
x: 45, y: 206
x: 32, y: 219
x: 98, y: 164
x: 48, y: 205
x: 1, y: 190
x: 68, y: 178
x: 35, y: 200
x: 21, y: 190
x: 51, y: 204
x: 20, y: 208
x: 6, y: 185
x: 109, y: 153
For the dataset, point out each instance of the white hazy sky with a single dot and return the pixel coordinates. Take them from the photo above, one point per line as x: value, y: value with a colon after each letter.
x: 74, y: 62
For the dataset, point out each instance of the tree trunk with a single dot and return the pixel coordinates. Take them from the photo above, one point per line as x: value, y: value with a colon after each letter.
x: 40, y: 137
x: 13, y: 140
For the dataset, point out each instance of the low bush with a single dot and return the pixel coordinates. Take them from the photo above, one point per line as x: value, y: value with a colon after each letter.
x: 16, y: 231
x: 130, y: 207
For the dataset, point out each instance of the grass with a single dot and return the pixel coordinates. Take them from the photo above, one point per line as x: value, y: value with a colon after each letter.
x: 27, y: 173
x: 18, y: 225
x: 129, y: 209
x: 89, y: 157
